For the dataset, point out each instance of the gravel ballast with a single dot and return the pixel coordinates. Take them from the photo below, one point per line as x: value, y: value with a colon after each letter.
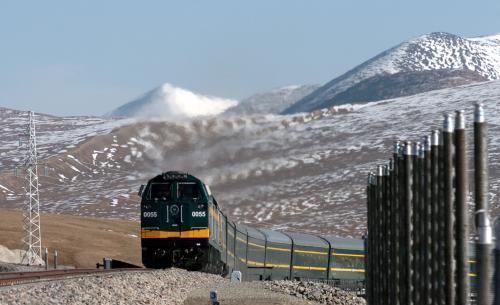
x: 172, y: 287
x: 245, y: 293
x: 317, y: 292
x: 157, y: 287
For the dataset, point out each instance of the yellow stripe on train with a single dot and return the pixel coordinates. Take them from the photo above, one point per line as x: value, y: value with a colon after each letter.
x: 310, y: 252
x: 309, y: 268
x: 256, y: 245
x: 279, y: 249
x: 348, y: 255
x: 347, y: 270
x: 277, y: 266
x: 253, y: 263
x: 199, y: 233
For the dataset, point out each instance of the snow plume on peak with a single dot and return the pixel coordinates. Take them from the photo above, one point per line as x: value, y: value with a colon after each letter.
x: 495, y: 38
x: 169, y: 101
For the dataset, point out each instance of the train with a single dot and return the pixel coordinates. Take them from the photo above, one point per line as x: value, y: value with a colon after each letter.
x: 182, y: 225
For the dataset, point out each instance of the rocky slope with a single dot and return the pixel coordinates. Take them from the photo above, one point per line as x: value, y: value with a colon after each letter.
x: 388, y: 86
x: 434, y: 51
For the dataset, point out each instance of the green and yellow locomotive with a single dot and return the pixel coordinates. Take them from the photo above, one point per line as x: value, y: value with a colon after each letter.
x: 183, y: 226
x: 174, y: 223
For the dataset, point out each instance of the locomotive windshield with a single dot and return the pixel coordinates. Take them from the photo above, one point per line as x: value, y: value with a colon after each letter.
x: 160, y: 191
x: 188, y: 191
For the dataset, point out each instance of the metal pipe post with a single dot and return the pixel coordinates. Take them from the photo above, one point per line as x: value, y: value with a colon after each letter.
x: 421, y: 267
x: 380, y: 235
x: 367, y: 263
x: 395, y: 225
x: 496, y: 284
x: 392, y: 269
x: 427, y: 278
x: 415, y: 218
x: 461, y: 212
x: 46, y: 257
x: 435, y: 217
x: 480, y: 159
x: 55, y: 259
x: 442, y: 226
x: 372, y: 239
x: 387, y: 253
x: 448, y: 174
x: 378, y: 238
x: 483, y: 245
x: 368, y: 242
x: 400, y: 222
x: 407, y: 224
x: 484, y: 242
x: 387, y: 235
x: 383, y: 237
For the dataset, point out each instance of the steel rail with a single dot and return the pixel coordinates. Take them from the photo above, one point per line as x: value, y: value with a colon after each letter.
x: 16, y: 278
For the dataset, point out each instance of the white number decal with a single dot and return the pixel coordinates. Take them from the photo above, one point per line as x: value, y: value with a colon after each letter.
x: 199, y: 214
x: 150, y: 214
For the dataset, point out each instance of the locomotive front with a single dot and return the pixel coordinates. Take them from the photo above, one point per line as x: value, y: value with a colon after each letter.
x: 174, y: 221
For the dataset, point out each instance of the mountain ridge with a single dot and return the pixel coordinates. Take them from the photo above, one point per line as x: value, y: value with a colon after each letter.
x: 273, y: 101
x: 434, y: 51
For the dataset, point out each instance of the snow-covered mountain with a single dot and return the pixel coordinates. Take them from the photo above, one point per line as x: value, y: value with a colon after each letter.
x: 297, y: 172
x: 272, y: 102
x: 171, y: 102
x: 470, y: 59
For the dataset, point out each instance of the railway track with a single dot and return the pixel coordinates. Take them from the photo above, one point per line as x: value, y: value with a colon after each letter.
x: 16, y: 278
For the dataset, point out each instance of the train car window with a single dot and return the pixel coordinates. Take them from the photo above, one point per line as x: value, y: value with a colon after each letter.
x: 188, y: 190
x: 160, y: 191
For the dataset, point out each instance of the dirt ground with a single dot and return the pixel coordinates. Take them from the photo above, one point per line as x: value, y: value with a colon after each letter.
x: 79, y: 241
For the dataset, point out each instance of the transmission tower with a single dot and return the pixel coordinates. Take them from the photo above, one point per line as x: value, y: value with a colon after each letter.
x: 32, y: 240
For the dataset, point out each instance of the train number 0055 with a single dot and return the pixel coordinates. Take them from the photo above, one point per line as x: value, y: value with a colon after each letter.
x: 150, y: 214
x: 199, y: 214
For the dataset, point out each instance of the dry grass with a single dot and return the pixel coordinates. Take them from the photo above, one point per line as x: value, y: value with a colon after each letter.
x: 80, y: 241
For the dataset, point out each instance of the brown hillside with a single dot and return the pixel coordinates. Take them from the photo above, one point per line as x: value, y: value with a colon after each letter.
x: 80, y: 241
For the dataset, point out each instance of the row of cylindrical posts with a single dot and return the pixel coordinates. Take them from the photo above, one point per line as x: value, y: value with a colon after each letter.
x: 418, y: 222
x: 46, y: 259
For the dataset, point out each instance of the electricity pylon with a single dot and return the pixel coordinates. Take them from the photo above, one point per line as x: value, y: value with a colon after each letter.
x: 32, y: 240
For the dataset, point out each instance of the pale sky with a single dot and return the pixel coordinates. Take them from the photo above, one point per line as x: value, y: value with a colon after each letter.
x: 88, y: 57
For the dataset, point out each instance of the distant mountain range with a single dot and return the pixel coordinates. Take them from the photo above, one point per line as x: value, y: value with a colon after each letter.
x: 303, y: 172
x: 273, y: 101
x: 429, y: 62
x: 168, y: 102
